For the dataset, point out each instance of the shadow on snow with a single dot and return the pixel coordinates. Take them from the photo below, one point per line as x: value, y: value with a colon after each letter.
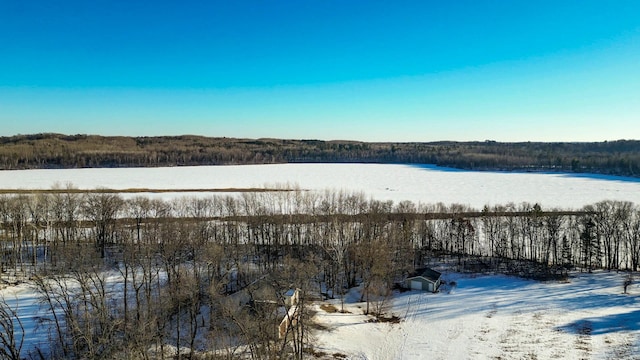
x: 623, y: 322
x: 591, y: 176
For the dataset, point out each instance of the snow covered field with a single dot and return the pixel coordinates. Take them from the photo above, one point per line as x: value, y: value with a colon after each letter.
x: 418, y: 183
x: 495, y: 317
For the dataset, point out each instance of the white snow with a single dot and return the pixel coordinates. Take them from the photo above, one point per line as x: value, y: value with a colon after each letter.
x: 483, y: 317
x: 495, y: 317
x: 418, y: 183
x: 25, y: 301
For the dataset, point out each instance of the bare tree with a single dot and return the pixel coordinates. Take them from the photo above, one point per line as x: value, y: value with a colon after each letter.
x: 377, y: 275
x: 102, y: 209
x: 11, y: 332
x: 632, y: 235
x: 553, y: 225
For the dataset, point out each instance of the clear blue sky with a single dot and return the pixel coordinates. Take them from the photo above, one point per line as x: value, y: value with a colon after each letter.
x: 418, y: 70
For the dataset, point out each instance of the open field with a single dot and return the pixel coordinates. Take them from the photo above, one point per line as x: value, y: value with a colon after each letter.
x: 493, y: 317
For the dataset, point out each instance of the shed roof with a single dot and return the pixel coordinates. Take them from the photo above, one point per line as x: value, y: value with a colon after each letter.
x: 426, y: 273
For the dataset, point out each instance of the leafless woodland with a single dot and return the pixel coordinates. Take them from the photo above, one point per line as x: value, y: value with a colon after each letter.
x: 143, y: 278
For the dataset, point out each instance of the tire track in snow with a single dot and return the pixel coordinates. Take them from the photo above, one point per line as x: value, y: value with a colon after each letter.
x: 583, y: 340
x: 413, y: 301
x: 399, y: 336
x: 395, y: 343
x: 482, y: 335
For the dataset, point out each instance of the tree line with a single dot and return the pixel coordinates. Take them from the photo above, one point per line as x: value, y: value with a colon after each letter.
x: 620, y: 157
x: 202, y: 277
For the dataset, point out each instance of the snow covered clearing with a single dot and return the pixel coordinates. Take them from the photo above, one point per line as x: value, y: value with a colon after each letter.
x: 472, y: 317
x: 418, y: 183
x: 493, y: 317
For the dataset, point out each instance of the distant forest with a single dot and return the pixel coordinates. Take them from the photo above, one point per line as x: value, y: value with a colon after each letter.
x: 620, y: 157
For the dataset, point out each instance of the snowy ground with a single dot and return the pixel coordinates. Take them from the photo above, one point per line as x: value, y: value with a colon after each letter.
x: 483, y: 317
x: 495, y: 317
x: 32, y: 311
x: 24, y: 300
x: 418, y: 183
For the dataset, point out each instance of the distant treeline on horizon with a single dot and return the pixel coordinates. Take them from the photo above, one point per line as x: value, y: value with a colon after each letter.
x: 44, y: 151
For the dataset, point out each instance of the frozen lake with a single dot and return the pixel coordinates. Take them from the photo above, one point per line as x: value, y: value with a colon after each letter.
x: 417, y: 183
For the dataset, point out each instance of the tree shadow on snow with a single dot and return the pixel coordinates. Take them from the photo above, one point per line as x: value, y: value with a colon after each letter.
x: 512, y: 294
x: 594, y: 301
x: 624, y: 322
x: 592, y: 176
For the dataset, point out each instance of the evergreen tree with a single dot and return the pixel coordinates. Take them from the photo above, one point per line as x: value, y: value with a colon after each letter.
x: 591, y: 252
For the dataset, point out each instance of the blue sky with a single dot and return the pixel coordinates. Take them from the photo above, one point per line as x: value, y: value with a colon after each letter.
x: 506, y: 70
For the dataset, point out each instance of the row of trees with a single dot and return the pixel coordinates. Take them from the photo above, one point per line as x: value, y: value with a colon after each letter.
x: 130, y: 277
x: 63, y: 151
x: 33, y: 227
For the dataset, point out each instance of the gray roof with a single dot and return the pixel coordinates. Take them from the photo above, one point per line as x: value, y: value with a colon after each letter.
x: 426, y: 273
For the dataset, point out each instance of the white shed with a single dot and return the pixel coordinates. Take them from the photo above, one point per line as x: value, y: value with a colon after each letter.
x: 423, y: 279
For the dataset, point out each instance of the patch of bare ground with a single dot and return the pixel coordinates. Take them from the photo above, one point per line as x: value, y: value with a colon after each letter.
x: 316, y: 353
x: 329, y: 308
x: 385, y: 319
x: 323, y: 355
